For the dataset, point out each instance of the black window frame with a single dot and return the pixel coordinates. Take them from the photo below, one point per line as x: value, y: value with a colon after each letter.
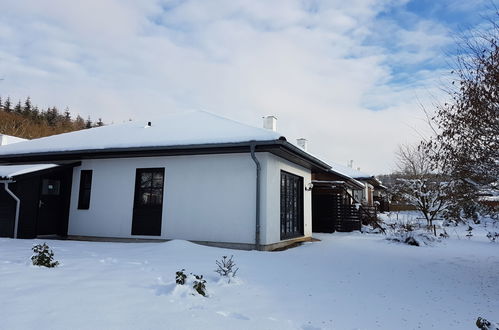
x: 291, y: 205
x: 85, y: 190
x: 139, y: 190
x: 51, y: 187
x: 147, y: 217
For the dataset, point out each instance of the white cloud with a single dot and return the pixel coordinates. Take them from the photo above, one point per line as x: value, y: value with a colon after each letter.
x: 308, y: 62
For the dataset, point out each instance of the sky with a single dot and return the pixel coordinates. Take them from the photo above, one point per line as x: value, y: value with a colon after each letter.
x: 349, y: 76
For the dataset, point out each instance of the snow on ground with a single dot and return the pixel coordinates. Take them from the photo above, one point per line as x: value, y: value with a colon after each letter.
x: 346, y: 281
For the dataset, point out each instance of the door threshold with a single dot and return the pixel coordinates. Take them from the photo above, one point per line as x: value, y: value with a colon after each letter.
x: 54, y: 236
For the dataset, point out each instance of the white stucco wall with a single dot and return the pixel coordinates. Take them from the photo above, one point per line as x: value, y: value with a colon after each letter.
x: 206, y: 197
x: 271, y: 194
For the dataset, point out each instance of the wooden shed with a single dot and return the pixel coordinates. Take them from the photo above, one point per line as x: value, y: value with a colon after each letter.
x: 34, y: 200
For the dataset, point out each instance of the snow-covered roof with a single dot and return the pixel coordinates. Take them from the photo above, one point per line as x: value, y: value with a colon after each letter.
x: 187, y: 128
x: 11, y: 171
x: 348, y: 171
x: 9, y: 139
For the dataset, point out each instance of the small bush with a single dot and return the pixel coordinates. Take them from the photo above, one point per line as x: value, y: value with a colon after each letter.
x: 180, y: 277
x: 444, y: 234
x: 469, y: 230
x: 414, y: 238
x: 226, y: 267
x: 43, y: 256
x: 199, y: 285
x: 483, y: 324
x: 492, y: 236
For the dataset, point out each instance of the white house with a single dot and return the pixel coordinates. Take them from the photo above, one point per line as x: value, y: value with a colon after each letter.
x: 193, y: 176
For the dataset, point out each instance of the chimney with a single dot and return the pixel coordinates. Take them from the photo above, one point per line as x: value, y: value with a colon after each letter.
x: 270, y: 122
x: 302, y: 143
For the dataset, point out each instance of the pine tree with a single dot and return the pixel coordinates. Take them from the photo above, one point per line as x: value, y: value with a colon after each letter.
x: 79, y: 123
x: 67, y: 115
x: 51, y: 116
x: 88, y: 123
x: 18, y: 108
x: 7, y: 106
x: 35, y: 114
x: 27, y: 108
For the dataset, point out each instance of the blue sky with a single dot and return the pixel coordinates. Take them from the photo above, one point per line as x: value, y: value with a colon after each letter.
x: 347, y: 75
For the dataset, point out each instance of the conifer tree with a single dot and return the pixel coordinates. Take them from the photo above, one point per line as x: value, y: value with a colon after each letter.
x: 18, y: 108
x: 7, y: 106
x: 27, y: 107
x: 88, y: 123
x: 79, y: 123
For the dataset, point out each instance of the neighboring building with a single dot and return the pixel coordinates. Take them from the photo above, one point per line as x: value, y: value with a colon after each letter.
x: 8, y: 139
x: 193, y: 176
x: 373, y: 194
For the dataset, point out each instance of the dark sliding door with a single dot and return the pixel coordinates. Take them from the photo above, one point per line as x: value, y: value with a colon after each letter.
x: 148, y: 201
x: 291, y: 205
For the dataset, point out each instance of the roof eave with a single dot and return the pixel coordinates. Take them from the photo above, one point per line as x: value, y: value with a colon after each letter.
x: 272, y: 146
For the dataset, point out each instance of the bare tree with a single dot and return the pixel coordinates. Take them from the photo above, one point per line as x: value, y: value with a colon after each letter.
x: 412, y: 160
x: 418, y: 185
x: 467, y: 137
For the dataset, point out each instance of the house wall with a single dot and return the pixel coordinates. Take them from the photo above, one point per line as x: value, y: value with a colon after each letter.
x: 206, y: 198
x: 271, y: 196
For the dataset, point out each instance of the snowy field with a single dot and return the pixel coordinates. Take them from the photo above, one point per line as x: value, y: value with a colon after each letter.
x: 345, y: 281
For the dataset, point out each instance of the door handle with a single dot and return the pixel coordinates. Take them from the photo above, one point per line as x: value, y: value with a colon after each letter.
x: 40, y: 203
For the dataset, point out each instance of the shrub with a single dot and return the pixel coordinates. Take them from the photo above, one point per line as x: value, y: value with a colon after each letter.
x: 444, y: 234
x: 469, y: 230
x: 226, y: 267
x: 43, y: 256
x: 199, y: 285
x: 180, y: 277
x: 483, y: 324
x: 492, y: 236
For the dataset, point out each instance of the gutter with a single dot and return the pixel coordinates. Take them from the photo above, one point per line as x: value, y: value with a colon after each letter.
x: 257, y: 217
x: 176, y: 150
x: 18, y: 205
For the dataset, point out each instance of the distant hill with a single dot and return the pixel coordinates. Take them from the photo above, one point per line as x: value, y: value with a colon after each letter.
x: 27, y: 121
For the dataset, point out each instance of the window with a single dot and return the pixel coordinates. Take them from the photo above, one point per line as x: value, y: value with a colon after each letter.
x: 85, y: 187
x: 50, y: 187
x: 291, y: 205
x: 149, y: 190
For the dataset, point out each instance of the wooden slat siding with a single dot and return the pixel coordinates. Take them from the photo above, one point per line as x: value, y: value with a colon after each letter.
x: 348, y: 218
x: 7, y: 213
x: 323, y: 212
x: 330, y: 214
